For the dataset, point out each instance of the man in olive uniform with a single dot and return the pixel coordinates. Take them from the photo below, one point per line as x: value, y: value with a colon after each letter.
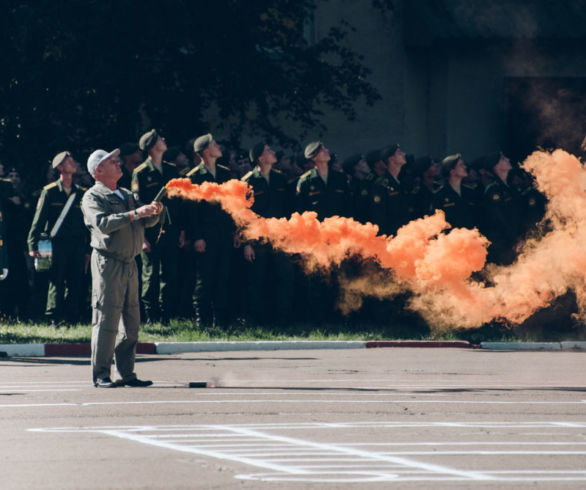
x: 389, y: 203
x: 326, y: 191
x: 161, y: 246
x: 211, y: 231
x: 322, y: 189
x: 3, y: 253
x: 117, y: 223
x: 426, y: 171
x: 130, y: 158
x: 269, y: 275
x: 6, y: 192
x: 502, y: 208
x: 458, y: 201
x: 58, y: 216
x: 358, y: 171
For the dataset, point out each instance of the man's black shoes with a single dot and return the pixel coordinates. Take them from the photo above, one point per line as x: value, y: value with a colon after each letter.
x: 104, y: 383
x: 135, y: 383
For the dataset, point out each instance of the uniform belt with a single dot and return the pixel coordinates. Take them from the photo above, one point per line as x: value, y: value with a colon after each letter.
x: 110, y: 255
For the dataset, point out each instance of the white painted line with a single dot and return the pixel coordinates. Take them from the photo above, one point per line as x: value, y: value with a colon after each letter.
x: 28, y: 390
x: 475, y: 444
x: 193, y: 450
x: 41, y: 383
x: 299, y: 401
x: 320, y: 426
x: 183, y: 347
x: 35, y: 405
x: 473, y: 475
x: 483, y: 453
x: 296, y: 459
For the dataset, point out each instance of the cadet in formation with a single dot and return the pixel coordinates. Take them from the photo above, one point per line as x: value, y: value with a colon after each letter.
x: 58, y: 218
x: 161, y: 245
x: 326, y: 191
x: 212, y: 232
x: 389, y: 202
x: 269, y: 275
x: 458, y: 201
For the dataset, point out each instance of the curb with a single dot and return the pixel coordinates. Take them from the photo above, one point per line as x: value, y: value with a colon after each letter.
x: 179, y: 347
x: 57, y: 350
x: 535, y: 346
x: 419, y: 343
x: 84, y: 349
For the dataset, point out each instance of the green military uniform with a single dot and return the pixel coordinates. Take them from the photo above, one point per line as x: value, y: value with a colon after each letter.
x: 116, y: 241
x: 270, y: 277
x: 360, y: 189
x: 388, y: 204
x: 70, y: 246
x: 160, y: 265
x: 207, y: 221
x: 326, y: 199
x: 503, y: 221
x: 3, y: 249
x: 126, y: 179
x: 6, y: 191
x: 461, y: 210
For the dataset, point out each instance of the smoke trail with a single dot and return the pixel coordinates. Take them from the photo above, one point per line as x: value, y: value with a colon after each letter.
x: 431, y: 260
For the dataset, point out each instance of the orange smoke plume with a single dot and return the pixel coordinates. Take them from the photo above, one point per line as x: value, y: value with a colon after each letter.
x: 428, y: 258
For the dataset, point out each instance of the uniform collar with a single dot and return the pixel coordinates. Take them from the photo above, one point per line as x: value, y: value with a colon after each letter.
x: 103, y: 188
x: 62, y: 189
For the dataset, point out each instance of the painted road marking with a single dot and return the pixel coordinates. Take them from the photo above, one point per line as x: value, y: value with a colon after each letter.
x: 287, y: 458
x: 299, y: 400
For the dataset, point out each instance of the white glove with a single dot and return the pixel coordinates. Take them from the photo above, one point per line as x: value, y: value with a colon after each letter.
x: 4, y: 274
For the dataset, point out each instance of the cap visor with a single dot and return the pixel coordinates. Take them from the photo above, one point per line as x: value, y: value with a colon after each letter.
x: 113, y: 153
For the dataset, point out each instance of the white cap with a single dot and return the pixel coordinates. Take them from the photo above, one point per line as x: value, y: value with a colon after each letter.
x: 98, y: 157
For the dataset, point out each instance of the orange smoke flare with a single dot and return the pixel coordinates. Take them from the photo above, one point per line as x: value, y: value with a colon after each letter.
x: 428, y: 258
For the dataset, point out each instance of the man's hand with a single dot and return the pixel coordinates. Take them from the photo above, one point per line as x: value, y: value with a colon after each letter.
x: 149, y: 210
x: 200, y: 245
x: 4, y: 274
x: 249, y: 253
x: 34, y: 254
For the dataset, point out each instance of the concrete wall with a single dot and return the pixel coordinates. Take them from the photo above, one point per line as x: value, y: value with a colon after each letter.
x: 438, y: 97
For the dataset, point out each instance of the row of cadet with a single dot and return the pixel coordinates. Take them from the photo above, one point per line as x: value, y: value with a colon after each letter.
x: 194, y: 264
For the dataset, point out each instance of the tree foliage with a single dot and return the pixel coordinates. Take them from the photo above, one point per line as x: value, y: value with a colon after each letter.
x: 85, y: 73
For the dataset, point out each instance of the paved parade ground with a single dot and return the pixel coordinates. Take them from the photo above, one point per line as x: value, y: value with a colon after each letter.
x: 370, y: 418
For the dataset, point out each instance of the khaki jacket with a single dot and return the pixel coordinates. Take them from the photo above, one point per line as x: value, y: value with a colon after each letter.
x: 113, y: 234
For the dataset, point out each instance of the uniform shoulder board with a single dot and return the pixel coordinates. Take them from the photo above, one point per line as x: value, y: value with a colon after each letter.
x: 247, y: 176
x: 305, y: 175
x: 141, y: 167
x: 223, y: 167
x: 171, y: 164
x: 183, y: 171
x: 471, y: 186
x: 50, y: 186
x: 277, y: 171
x: 489, y: 187
x: 438, y: 189
x: 5, y: 180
